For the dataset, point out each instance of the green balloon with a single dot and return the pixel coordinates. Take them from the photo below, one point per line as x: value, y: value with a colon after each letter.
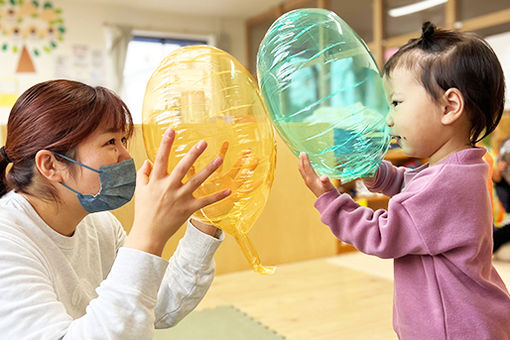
x: 324, y: 93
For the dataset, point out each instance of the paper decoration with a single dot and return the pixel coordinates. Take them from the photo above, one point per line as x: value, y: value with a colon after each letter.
x: 29, y: 28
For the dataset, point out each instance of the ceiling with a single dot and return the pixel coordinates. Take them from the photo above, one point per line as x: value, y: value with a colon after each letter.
x: 241, y: 9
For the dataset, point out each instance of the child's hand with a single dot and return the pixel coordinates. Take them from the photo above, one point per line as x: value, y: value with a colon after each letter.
x: 318, y: 185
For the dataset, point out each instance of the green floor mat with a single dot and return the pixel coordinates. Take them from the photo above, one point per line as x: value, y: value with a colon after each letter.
x: 219, y: 323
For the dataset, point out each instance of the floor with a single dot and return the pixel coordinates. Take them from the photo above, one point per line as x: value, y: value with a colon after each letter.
x: 343, y: 297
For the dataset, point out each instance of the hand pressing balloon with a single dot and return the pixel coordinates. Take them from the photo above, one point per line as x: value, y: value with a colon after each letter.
x: 203, y: 93
x: 324, y: 93
x: 318, y: 185
x: 238, y: 179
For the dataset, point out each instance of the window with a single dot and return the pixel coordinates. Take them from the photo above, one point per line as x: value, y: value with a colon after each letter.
x: 143, y: 56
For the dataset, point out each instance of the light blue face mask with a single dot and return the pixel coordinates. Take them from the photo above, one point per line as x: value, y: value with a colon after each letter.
x: 118, y: 183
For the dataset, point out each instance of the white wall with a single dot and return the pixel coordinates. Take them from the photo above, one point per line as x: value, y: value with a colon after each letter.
x: 500, y: 43
x: 85, y: 33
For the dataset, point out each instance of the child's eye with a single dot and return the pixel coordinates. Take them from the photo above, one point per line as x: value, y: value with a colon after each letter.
x: 395, y: 103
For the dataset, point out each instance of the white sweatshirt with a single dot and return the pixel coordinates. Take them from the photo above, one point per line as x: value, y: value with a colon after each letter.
x: 89, y: 287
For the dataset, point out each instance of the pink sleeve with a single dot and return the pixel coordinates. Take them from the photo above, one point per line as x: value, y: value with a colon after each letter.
x: 389, y: 179
x: 386, y: 234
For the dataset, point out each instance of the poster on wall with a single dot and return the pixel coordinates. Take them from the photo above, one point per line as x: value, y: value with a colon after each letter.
x: 30, y: 28
x: 82, y: 63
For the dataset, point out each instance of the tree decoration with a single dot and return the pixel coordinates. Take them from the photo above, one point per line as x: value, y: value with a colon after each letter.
x: 30, y: 27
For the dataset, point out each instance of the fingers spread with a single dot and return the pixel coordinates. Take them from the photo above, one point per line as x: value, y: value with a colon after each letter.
x: 208, y: 200
x: 143, y: 174
x: 161, y: 161
x: 187, y: 161
x: 199, y: 178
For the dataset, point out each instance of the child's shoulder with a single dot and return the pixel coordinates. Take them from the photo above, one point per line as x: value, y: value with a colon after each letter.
x: 463, y: 172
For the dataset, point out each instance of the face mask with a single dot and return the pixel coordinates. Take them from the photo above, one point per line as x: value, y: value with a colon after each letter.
x: 117, y: 186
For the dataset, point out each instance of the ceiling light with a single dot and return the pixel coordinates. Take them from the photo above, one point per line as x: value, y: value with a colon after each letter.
x: 413, y: 8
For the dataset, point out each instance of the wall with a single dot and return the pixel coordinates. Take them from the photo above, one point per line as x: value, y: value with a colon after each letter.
x: 84, y: 43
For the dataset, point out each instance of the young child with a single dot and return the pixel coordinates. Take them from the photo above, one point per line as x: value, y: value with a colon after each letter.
x: 446, y: 91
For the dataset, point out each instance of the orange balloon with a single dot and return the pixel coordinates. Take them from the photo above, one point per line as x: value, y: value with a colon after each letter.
x: 204, y: 93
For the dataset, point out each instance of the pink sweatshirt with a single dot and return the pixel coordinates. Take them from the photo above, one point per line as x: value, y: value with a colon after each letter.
x: 438, y: 230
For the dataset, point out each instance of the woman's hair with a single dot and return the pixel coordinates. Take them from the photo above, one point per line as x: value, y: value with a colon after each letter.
x: 447, y: 59
x: 55, y: 115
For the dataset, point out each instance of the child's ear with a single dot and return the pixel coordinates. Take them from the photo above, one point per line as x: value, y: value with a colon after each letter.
x: 453, y: 106
x: 48, y: 166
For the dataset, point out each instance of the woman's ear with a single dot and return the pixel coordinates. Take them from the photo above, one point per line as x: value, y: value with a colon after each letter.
x: 453, y: 106
x: 48, y: 166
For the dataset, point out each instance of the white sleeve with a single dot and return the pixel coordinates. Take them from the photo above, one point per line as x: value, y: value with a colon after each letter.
x: 188, y: 276
x: 30, y: 309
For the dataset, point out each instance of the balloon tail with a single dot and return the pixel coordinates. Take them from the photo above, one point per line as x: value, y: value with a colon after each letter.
x: 252, y: 256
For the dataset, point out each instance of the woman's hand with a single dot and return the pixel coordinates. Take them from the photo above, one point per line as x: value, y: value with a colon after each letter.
x: 162, y: 201
x: 238, y: 179
x: 318, y: 185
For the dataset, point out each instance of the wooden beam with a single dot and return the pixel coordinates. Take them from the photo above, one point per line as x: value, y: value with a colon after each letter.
x: 293, y: 4
x: 488, y: 20
x: 473, y: 24
x: 247, y: 31
x: 272, y: 13
x: 450, y: 13
x: 323, y: 4
x: 378, y: 31
x: 400, y: 40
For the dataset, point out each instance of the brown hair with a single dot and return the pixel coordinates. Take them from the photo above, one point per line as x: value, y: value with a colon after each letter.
x: 55, y: 115
x: 448, y: 59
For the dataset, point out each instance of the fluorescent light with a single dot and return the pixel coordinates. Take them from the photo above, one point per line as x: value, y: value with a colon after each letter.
x: 419, y: 6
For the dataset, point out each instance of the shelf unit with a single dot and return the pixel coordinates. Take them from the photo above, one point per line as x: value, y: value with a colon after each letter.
x: 381, y: 32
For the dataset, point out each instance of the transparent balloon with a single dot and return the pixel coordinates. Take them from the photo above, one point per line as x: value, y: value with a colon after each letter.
x: 324, y: 93
x: 203, y: 93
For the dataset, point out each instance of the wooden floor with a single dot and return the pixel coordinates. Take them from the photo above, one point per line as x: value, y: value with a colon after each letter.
x: 343, y: 297
x: 315, y: 299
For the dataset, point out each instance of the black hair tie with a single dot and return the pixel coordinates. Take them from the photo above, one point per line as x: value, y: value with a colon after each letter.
x: 427, y: 31
x: 4, y: 155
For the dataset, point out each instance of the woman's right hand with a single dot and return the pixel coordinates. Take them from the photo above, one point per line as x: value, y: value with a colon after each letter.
x: 162, y: 202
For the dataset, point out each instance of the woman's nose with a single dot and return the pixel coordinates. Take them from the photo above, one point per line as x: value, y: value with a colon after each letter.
x: 123, y: 153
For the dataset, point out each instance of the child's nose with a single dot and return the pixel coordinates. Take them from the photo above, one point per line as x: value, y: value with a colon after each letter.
x: 389, y: 120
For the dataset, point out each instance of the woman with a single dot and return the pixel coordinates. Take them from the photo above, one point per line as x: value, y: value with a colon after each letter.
x: 68, y: 270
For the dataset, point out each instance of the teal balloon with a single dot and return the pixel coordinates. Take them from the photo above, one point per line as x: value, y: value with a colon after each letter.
x: 324, y: 93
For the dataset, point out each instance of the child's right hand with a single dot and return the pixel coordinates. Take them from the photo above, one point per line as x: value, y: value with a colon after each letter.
x: 162, y: 201
x: 318, y: 185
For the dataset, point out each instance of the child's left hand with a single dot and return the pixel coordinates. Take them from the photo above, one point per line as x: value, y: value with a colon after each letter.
x: 318, y: 185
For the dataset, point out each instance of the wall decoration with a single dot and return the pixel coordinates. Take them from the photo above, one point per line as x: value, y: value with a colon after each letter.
x: 30, y: 28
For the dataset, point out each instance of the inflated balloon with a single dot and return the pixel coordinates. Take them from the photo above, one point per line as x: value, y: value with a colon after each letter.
x: 324, y: 93
x: 203, y: 93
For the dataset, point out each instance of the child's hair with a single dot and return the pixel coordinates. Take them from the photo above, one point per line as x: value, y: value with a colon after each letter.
x: 447, y: 59
x: 55, y: 115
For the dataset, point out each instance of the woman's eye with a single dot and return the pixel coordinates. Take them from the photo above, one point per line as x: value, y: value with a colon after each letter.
x: 124, y: 141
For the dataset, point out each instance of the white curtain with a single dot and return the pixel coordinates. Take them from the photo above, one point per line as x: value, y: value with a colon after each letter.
x: 117, y: 41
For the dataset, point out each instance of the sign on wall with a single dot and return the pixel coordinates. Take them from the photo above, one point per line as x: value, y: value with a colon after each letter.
x: 30, y: 28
